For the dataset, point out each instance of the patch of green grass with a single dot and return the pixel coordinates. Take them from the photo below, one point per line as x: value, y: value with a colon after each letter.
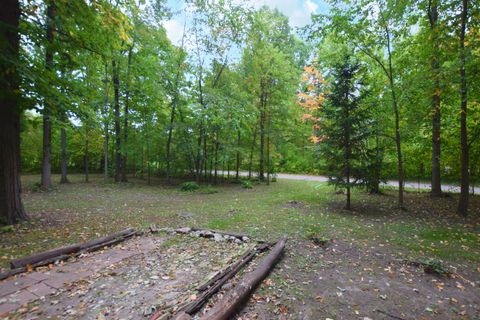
x: 80, y: 211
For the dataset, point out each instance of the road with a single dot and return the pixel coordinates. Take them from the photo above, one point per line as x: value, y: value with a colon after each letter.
x: 392, y: 183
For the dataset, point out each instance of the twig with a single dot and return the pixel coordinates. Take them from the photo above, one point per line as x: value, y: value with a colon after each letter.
x: 389, y: 314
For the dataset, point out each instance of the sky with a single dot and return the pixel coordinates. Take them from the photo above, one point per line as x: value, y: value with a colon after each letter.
x: 298, y: 12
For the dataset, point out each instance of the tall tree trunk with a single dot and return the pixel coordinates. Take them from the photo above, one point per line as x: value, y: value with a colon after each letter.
x: 237, y: 165
x: 46, y: 180
x: 106, y: 124
x: 268, y: 148
x: 261, y: 174
x: 205, y: 157
x: 252, y: 149
x: 435, y: 67
x: 198, y: 158
x: 11, y: 207
x: 397, y: 123
x: 217, y: 145
x: 125, y: 124
x: 64, y: 161
x: 463, y: 200
x: 348, y: 153
x: 86, y: 151
x: 118, y: 143
x: 169, y: 139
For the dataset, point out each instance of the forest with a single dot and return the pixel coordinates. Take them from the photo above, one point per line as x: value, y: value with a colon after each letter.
x: 131, y: 99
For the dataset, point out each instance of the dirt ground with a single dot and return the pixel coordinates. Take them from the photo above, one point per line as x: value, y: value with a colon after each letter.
x: 348, y: 281
x: 341, y: 280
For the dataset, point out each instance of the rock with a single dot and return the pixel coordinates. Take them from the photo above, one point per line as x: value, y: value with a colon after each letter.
x: 238, y: 241
x: 218, y: 237
x: 183, y: 230
x: 245, y: 239
x: 149, y: 310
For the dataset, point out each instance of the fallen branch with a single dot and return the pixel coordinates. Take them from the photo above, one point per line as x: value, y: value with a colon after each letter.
x: 232, y: 300
x: 95, y: 242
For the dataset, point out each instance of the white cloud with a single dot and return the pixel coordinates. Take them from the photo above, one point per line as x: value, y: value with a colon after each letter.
x: 298, y: 11
x: 174, y: 30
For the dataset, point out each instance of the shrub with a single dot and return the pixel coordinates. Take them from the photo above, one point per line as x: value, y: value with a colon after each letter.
x: 435, y: 267
x: 246, y: 184
x: 189, y: 186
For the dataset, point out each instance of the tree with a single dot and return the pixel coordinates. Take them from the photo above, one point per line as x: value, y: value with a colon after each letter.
x: 11, y: 207
x: 344, y: 128
x: 373, y: 28
x: 48, y: 100
x: 311, y: 97
x: 432, y: 13
x: 463, y: 200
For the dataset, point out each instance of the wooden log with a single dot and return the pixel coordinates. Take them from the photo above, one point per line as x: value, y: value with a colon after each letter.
x: 33, y: 259
x: 63, y: 253
x: 246, y: 257
x: 209, y: 288
x: 109, y: 243
x: 42, y: 263
x: 227, y: 306
x: 12, y: 272
x: 212, y: 287
x: 99, y: 241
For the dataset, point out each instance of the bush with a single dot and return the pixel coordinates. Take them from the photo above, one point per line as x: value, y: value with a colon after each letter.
x: 246, y: 184
x: 436, y: 267
x: 189, y: 186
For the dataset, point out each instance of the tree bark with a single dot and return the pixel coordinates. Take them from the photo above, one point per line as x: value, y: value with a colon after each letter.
x: 86, y: 151
x: 106, y: 122
x: 252, y: 149
x: 268, y: 148
x: 116, y: 88
x: 397, y: 122
x: 261, y: 174
x: 11, y: 207
x: 63, y: 133
x: 348, y: 152
x: 463, y: 200
x: 125, y: 124
x: 215, y: 161
x: 46, y: 180
x: 436, y: 119
x: 237, y: 165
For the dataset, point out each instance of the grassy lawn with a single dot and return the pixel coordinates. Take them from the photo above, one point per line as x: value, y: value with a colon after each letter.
x: 79, y: 211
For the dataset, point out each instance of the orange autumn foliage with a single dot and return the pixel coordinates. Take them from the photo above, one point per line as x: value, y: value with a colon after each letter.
x: 311, y: 97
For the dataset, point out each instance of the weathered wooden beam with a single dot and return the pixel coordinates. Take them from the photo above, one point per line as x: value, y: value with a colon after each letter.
x: 227, y: 306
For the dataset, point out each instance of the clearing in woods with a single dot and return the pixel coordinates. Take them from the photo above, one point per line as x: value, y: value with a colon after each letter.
x: 371, y: 265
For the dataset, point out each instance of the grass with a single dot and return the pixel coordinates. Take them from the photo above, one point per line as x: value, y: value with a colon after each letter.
x: 80, y: 211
